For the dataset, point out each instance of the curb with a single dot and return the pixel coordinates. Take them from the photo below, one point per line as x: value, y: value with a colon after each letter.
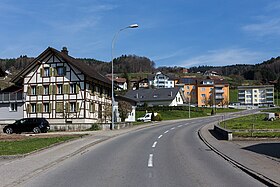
x: 263, y: 179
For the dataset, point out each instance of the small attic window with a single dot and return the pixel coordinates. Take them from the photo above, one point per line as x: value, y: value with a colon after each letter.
x: 155, y: 95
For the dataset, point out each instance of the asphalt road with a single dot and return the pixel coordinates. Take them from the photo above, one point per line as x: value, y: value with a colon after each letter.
x: 169, y: 155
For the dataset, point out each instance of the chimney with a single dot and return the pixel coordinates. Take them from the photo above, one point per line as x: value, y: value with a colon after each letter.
x: 64, y: 50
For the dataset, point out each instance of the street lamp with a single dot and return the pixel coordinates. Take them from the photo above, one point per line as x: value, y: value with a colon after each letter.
x: 112, y: 57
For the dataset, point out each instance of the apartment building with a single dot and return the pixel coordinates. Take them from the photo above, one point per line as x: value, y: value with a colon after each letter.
x: 205, y: 92
x: 260, y: 95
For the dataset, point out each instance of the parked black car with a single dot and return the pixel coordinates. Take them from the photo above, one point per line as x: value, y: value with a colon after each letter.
x: 35, y: 125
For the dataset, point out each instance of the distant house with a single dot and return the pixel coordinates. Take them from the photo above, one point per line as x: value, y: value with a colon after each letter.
x: 119, y: 82
x: 131, y: 116
x: 157, y: 97
x: 63, y: 89
x: 12, y: 100
x: 143, y: 83
x: 211, y: 73
x: 160, y: 80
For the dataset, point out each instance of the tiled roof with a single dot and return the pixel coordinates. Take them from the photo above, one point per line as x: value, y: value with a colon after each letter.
x: 160, y: 94
x: 80, y: 65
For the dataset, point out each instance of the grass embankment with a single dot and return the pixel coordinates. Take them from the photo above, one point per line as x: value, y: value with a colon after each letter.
x: 19, y: 147
x: 184, y: 114
x: 253, y: 126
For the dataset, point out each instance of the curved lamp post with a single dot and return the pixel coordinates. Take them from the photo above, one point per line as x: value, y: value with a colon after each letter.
x: 112, y: 57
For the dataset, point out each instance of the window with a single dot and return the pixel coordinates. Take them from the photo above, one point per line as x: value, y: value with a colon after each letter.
x: 72, y: 107
x: 61, y: 71
x: 72, y: 88
x: 33, y: 107
x: 203, y: 95
x: 46, y: 89
x: 59, y: 89
x: 13, y: 107
x: 46, y: 72
x: 202, y: 89
x: 33, y: 90
x: 46, y: 107
x: 188, y: 87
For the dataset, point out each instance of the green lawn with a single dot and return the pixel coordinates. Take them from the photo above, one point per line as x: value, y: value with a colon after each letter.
x: 184, y: 114
x: 29, y: 145
x: 248, y: 126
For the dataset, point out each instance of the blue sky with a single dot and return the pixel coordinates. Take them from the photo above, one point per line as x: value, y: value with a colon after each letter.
x: 171, y: 33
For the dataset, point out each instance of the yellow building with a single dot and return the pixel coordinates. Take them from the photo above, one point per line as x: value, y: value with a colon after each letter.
x: 205, y: 92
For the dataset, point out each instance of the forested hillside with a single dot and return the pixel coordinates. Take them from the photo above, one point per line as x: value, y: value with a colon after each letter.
x: 266, y: 71
x: 123, y: 64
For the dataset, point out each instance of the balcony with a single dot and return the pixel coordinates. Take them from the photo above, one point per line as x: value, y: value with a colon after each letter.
x: 14, y: 97
x: 219, y: 97
x: 219, y: 91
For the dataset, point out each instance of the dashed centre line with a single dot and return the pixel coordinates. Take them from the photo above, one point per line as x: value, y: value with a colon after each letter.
x: 154, y: 145
x: 166, y: 131
x: 179, y: 126
x: 173, y: 128
x: 159, y: 136
x: 150, y: 161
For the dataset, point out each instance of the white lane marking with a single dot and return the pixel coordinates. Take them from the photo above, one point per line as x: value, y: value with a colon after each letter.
x: 154, y: 145
x: 159, y: 136
x: 150, y: 161
x: 166, y: 131
x: 179, y: 126
x: 173, y: 128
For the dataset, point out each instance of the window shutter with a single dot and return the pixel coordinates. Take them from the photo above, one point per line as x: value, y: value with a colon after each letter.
x: 66, y: 89
x: 28, y: 90
x: 28, y: 108
x: 77, y: 107
x: 77, y: 88
x: 41, y: 72
x: 67, y: 107
x: 55, y: 72
x: 40, y: 90
x: 38, y: 108
x: 51, y: 71
x: 94, y: 107
x: 54, y: 89
x: 50, y: 108
x: 50, y: 90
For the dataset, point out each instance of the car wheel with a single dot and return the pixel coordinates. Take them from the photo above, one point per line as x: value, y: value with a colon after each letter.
x: 9, y: 130
x: 36, y: 130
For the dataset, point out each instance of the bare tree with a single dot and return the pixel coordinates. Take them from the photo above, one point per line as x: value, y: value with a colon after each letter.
x: 107, y: 111
x: 124, y: 109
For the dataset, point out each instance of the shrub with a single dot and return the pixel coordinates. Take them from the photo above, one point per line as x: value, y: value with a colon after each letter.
x: 94, y: 127
x: 158, y: 117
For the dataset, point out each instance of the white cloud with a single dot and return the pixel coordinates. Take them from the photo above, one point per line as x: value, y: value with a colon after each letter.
x: 167, y: 56
x: 269, y: 26
x: 223, y: 57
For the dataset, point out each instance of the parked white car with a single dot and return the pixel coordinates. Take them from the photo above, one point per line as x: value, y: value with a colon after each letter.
x: 146, y: 118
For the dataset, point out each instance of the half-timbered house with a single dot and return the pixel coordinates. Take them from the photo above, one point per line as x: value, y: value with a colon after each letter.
x: 64, y: 89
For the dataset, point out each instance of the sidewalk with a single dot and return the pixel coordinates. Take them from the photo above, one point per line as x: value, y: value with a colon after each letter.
x: 260, y: 159
x: 16, y: 170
